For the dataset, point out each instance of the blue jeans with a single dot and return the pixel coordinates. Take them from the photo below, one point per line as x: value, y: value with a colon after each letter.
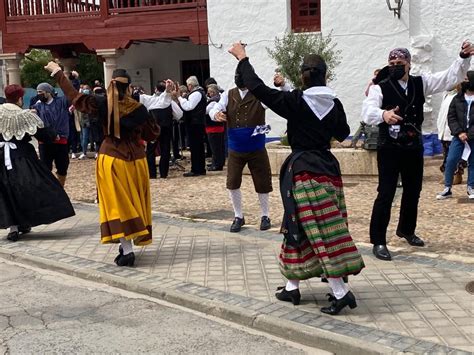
x: 454, y: 157
x: 85, y: 138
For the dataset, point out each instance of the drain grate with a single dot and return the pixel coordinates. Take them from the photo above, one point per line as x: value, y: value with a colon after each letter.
x: 470, y: 287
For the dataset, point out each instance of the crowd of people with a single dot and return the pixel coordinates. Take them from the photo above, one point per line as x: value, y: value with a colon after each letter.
x: 127, y: 129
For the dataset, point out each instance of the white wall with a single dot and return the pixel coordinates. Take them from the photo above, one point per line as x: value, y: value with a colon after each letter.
x: 163, y: 58
x: 365, y: 31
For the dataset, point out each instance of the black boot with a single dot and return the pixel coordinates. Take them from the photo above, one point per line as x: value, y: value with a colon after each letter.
x: 337, y: 305
x: 288, y: 296
x: 126, y: 260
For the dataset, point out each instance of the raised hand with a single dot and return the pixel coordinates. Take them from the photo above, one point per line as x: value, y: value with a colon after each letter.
x: 238, y: 50
x: 52, y: 67
x: 467, y: 49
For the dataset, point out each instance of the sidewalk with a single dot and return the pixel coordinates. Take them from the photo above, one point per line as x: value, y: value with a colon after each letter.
x: 415, y: 303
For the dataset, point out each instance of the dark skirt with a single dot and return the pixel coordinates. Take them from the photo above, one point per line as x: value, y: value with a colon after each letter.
x: 29, y: 193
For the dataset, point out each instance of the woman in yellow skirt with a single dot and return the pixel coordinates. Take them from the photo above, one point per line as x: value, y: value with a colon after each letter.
x: 121, y: 171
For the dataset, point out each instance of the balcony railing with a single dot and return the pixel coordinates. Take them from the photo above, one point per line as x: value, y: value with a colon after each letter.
x: 16, y: 9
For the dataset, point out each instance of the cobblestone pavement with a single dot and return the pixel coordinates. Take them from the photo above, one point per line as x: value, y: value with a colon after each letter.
x: 446, y: 226
x: 411, y: 297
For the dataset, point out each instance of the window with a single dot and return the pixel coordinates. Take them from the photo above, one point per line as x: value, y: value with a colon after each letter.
x: 306, y: 15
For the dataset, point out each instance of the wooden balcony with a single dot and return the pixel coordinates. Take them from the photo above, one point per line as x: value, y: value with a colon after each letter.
x: 88, y: 25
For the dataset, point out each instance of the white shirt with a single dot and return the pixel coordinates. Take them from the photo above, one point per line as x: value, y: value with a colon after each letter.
x: 432, y: 83
x: 221, y: 106
x: 444, y: 133
x: 163, y: 100
x: 191, y: 102
x: 469, y: 100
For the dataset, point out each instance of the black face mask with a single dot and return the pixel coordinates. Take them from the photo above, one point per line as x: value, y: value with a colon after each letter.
x: 396, y: 72
x: 238, y: 81
x: 42, y: 98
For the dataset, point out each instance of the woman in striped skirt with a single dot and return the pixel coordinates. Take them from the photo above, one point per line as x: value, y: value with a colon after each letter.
x: 317, y: 241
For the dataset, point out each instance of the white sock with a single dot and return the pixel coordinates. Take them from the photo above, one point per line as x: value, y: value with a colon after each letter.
x: 292, y: 285
x: 13, y: 229
x: 126, y: 246
x: 236, y: 199
x: 264, y: 204
x: 339, y: 288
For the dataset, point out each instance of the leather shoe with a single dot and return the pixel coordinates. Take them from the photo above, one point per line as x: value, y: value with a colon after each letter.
x: 288, y: 296
x: 412, y: 239
x: 265, y: 223
x: 126, y: 260
x: 381, y: 252
x: 192, y: 174
x: 13, y: 236
x: 337, y: 305
x: 237, y: 224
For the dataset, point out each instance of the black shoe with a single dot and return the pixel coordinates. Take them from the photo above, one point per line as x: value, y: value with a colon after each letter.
x: 192, y: 174
x: 381, y: 252
x: 288, y: 296
x: 265, y: 223
x: 13, y: 236
x: 337, y: 305
x: 237, y: 224
x: 214, y: 168
x: 120, y: 254
x: 126, y: 260
x: 412, y: 239
x: 344, y: 278
x: 24, y: 230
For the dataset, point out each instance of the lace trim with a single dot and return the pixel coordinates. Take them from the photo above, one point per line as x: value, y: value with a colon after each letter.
x: 16, y: 122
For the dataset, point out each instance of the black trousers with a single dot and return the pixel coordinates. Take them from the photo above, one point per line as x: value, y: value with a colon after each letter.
x: 392, y: 162
x: 196, y: 133
x: 178, y: 139
x: 151, y: 158
x: 57, y: 153
x: 166, y: 134
x: 216, y: 141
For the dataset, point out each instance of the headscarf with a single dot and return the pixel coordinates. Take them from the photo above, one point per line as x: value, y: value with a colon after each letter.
x: 400, y: 53
x: 118, y: 108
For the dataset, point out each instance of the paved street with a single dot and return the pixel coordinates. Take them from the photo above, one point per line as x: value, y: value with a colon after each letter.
x: 46, y: 312
x: 411, y: 298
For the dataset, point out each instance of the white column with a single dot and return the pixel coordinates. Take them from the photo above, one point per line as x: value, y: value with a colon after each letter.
x: 110, y: 64
x: 12, y: 60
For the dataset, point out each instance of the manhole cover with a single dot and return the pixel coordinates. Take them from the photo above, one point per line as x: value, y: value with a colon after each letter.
x: 470, y: 287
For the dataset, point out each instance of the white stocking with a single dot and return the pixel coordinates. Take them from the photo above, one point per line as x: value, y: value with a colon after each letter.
x: 236, y: 199
x: 292, y: 285
x: 126, y: 246
x: 264, y: 204
x: 338, y: 287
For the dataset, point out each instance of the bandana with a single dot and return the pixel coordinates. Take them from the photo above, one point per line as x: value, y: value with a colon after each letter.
x: 400, y: 53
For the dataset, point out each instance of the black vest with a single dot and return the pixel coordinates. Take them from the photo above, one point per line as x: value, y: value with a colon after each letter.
x: 198, y: 114
x: 163, y: 116
x: 411, y: 110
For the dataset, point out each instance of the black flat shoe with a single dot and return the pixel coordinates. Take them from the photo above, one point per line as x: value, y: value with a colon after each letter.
x: 237, y: 224
x: 120, y: 254
x: 381, y: 252
x: 126, y: 260
x: 13, y: 236
x: 344, y: 278
x: 288, y: 296
x: 265, y: 223
x: 337, y: 305
x: 413, y: 239
x: 24, y: 230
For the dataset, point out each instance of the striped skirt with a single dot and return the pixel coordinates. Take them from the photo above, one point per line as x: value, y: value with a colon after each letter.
x: 124, y: 200
x: 327, y: 248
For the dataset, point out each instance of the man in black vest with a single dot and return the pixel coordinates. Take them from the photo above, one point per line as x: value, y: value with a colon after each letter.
x: 195, y: 105
x: 396, y: 106
x: 164, y: 117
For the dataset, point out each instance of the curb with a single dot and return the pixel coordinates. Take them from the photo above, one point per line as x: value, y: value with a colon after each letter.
x: 303, y: 327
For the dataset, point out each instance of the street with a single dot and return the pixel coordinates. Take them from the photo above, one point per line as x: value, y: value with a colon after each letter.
x: 48, y: 312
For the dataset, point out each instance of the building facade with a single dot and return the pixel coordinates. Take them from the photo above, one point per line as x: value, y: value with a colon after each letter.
x: 158, y: 39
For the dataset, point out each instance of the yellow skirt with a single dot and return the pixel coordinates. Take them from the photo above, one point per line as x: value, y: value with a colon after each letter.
x: 124, y: 200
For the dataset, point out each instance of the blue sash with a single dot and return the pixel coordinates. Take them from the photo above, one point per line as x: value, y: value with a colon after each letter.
x: 241, y: 140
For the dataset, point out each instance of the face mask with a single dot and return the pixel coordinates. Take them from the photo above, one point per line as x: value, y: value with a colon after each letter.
x: 239, y: 82
x: 396, y: 72
x: 42, y: 98
x: 86, y: 91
